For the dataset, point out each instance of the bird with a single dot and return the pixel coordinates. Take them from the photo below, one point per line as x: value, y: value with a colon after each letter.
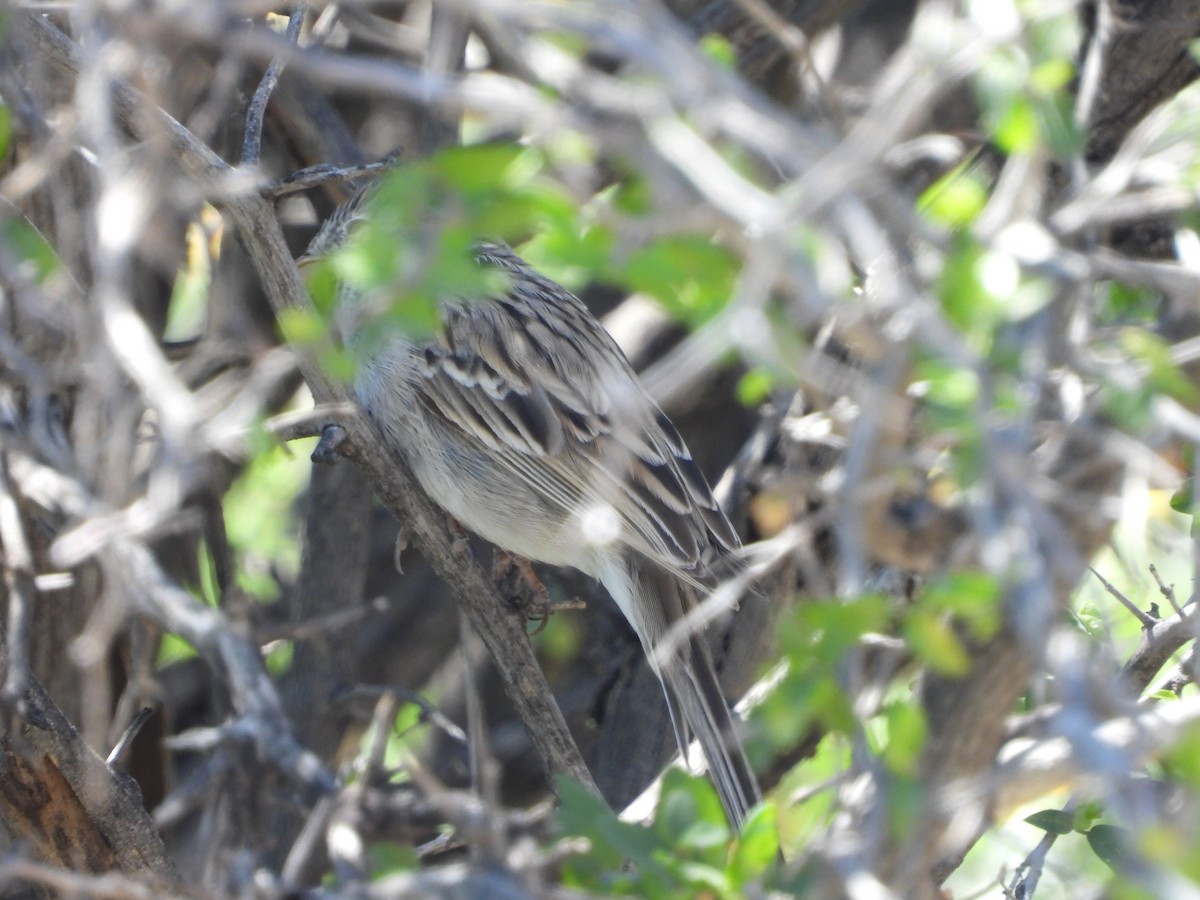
x: 522, y: 419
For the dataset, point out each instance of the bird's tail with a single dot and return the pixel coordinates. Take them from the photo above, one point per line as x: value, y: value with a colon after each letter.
x: 695, y: 698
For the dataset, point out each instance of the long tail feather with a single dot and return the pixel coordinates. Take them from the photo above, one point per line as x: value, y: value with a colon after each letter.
x: 694, y: 694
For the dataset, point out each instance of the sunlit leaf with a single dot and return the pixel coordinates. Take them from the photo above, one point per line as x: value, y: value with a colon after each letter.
x: 757, y: 845
x: 934, y: 641
x: 1055, y: 821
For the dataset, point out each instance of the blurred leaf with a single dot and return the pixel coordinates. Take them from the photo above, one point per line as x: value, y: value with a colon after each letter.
x: 339, y: 363
x: 1052, y: 75
x: 1016, y: 130
x: 279, y: 658
x: 1155, y: 353
x: 487, y: 168
x: 1055, y: 821
x: 632, y: 196
x: 934, y: 642
x: 40, y: 259
x: 754, y: 388
x: 907, y: 732
x: 757, y: 846
x: 188, y: 306
x: 614, y: 845
x: 1111, y: 844
x: 323, y: 283
x: 301, y: 326
x: 1117, y: 303
x: 947, y: 384
x: 5, y: 129
x: 1184, y: 498
x: 689, y: 813
x: 172, y: 648
x: 719, y: 50
x: 390, y: 858
x: 955, y: 199
x: 692, y: 277
x: 259, y: 518
x: 1129, y: 408
x: 972, y: 597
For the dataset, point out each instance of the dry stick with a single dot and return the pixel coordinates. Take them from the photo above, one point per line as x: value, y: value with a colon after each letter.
x: 18, y: 582
x: 1147, y: 620
x: 502, y: 633
x: 252, y: 143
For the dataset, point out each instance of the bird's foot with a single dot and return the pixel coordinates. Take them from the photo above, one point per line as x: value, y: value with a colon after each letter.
x: 515, y: 577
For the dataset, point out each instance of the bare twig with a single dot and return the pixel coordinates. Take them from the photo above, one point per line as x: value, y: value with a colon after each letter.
x: 19, y: 584
x: 252, y: 143
x: 1147, y: 620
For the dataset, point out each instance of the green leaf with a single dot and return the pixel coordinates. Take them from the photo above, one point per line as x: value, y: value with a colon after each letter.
x: 947, y: 385
x: 973, y: 597
x: 5, y: 129
x: 955, y: 199
x: 1164, y: 375
x: 301, y: 326
x: 187, y: 311
x: 38, y: 256
x: 1184, y: 499
x: 907, y: 732
x: 689, y: 812
x: 614, y: 843
x: 757, y: 846
x: 279, y: 658
x: 754, y: 388
x: 391, y: 858
x: 487, y: 168
x: 719, y: 50
x: 1111, y: 844
x: 172, y: 648
x: 692, y: 277
x: 933, y: 640
x: 1055, y: 821
x: 1017, y: 129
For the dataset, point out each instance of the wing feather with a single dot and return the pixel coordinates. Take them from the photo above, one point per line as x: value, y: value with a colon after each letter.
x: 575, y: 426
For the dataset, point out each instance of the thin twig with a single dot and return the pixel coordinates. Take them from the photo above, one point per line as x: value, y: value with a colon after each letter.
x: 19, y: 583
x: 323, y: 173
x: 1167, y: 590
x: 1147, y: 620
x: 257, y: 111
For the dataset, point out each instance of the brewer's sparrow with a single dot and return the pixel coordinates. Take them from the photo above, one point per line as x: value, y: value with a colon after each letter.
x: 523, y: 420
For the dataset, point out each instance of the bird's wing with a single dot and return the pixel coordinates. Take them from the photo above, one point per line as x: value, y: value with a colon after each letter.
x: 534, y: 378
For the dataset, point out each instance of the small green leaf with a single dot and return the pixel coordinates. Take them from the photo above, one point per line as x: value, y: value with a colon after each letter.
x: 692, y: 277
x: 35, y: 251
x: 5, y: 129
x: 484, y: 168
x: 933, y: 640
x: 301, y: 326
x: 172, y: 648
x: 390, y: 858
x: 757, y: 846
x: 1017, y: 130
x: 279, y: 658
x: 754, y: 388
x: 689, y: 812
x: 955, y: 199
x: 719, y: 50
x: 906, y: 738
x: 1184, y: 499
x: 1111, y: 845
x: 1055, y: 821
